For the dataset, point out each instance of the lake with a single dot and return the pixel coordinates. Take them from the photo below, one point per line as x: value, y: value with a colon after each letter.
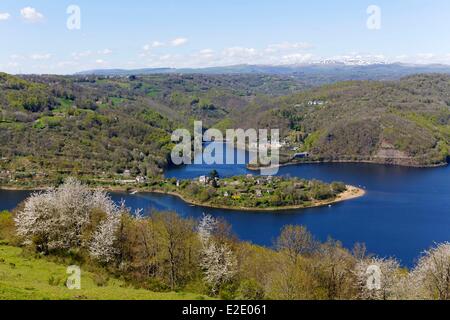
x: 405, y: 210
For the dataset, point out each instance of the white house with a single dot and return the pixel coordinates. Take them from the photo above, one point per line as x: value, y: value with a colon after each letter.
x: 203, y: 179
x: 127, y: 173
x: 141, y: 179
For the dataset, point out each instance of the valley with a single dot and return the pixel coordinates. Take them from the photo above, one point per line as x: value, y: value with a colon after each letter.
x: 103, y: 127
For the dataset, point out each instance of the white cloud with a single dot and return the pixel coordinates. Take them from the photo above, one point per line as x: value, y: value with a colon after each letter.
x: 402, y: 57
x: 206, y: 51
x: 284, y: 46
x: 154, y: 44
x: 100, y: 61
x: 228, y: 56
x: 38, y: 56
x: 430, y: 58
x: 206, y: 54
x: 166, y: 57
x: 296, y: 58
x: 79, y: 55
x: 239, y: 52
x: 4, y: 16
x: 105, y: 52
x: 31, y: 14
x: 179, y: 42
x: 157, y: 44
x: 62, y: 64
x: 426, y: 56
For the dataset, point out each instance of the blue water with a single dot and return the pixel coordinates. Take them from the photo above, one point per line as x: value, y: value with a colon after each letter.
x: 405, y: 211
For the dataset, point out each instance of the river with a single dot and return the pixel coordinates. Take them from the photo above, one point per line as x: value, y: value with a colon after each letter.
x: 405, y: 210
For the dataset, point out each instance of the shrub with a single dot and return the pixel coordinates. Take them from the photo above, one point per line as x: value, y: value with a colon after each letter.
x: 338, y: 187
x: 100, y: 279
x: 7, y: 227
x: 204, y: 196
x: 55, y: 281
x: 228, y: 291
x: 250, y: 290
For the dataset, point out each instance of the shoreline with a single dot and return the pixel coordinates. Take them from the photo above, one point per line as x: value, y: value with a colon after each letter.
x: 290, y: 163
x: 287, y: 164
x: 351, y: 194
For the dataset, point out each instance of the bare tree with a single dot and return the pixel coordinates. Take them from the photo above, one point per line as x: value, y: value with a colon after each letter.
x: 333, y: 270
x: 176, y: 236
x: 291, y: 281
x: 296, y: 241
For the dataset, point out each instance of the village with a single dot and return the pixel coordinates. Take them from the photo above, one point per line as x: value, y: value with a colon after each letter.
x: 249, y: 191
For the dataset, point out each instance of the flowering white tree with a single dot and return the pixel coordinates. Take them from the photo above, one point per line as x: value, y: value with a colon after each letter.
x: 59, y: 218
x: 431, y: 277
x: 206, y: 228
x: 102, y: 246
x: 218, y: 260
x: 377, y: 279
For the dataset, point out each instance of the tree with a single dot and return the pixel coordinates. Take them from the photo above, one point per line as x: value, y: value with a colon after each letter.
x: 68, y: 217
x: 102, y: 246
x: 218, y: 263
x: 176, y: 236
x: 290, y: 281
x: 377, y: 279
x: 296, y: 241
x: 214, y: 174
x: 431, y: 277
x: 217, y: 259
x: 206, y: 228
x: 332, y: 268
x: 338, y: 187
x: 204, y: 195
x: 140, y: 248
x: 250, y: 290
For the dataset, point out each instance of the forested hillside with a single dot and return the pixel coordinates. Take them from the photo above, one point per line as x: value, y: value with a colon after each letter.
x: 53, y: 126
x: 97, y: 126
x: 405, y: 122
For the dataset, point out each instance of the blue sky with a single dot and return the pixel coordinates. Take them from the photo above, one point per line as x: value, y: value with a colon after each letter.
x: 201, y: 33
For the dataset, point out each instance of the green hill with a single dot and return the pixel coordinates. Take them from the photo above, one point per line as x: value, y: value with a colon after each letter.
x: 23, y: 277
x: 99, y: 127
x: 404, y: 122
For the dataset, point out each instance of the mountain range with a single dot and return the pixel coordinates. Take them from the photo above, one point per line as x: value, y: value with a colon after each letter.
x: 338, y: 70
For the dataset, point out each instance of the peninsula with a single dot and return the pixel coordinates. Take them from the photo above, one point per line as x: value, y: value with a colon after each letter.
x: 254, y: 193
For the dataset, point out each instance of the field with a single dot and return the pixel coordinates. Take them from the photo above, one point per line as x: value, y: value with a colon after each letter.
x: 24, y: 277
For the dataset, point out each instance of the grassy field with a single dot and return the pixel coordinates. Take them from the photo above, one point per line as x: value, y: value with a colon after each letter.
x: 28, y: 278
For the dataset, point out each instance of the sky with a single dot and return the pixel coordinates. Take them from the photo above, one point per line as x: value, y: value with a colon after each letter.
x: 63, y: 37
